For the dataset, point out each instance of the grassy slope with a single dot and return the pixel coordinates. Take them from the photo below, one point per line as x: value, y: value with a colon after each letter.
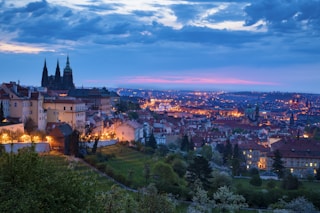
x: 128, y: 160
x: 101, y: 183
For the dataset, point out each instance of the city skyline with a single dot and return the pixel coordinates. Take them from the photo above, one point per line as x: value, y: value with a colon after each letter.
x: 192, y: 44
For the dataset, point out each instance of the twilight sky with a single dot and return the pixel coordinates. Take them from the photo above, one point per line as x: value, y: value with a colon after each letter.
x: 257, y: 45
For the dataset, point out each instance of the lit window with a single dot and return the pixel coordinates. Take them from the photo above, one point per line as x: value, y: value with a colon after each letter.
x: 291, y: 170
x: 311, y: 164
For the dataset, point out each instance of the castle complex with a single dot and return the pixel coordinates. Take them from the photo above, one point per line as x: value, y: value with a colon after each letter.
x: 58, y: 82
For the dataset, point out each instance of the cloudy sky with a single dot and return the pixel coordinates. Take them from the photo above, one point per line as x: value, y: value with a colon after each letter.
x: 260, y: 45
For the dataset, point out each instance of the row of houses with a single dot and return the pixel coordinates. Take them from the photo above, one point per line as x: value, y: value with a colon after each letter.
x: 301, y: 156
x: 20, y: 103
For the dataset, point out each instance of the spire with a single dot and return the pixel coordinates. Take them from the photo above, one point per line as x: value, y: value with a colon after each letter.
x: 68, y: 63
x: 67, y: 68
x: 67, y: 76
x: 45, y: 80
x: 57, y: 77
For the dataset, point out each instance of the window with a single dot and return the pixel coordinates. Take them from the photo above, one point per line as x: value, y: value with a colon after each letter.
x: 64, y: 108
x: 71, y: 108
x: 15, y: 104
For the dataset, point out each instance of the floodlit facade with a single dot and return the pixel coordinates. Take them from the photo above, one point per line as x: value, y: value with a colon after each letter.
x: 70, y: 111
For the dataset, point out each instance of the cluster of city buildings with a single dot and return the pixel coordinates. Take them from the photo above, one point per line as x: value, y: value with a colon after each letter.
x: 259, y: 123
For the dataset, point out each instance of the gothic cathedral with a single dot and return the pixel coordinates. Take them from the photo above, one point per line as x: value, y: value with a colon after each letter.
x: 58, y: 82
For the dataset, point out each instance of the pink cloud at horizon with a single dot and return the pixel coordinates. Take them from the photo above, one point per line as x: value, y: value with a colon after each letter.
x: 191, y: 80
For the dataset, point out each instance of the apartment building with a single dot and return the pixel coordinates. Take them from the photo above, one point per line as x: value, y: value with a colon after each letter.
x: 70, y: 111
x: 20, y: 103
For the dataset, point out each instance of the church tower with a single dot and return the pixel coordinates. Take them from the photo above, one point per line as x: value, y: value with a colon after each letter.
x: 45, y: 78
x: 67, y: 76
x: 57, y: 77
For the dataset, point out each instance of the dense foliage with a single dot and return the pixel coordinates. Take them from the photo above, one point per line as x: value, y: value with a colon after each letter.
x: 29, y: 183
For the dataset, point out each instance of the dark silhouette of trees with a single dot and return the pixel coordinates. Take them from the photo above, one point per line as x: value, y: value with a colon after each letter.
x: 290, y: 182
x: 1, y: 112
x: 30, y: 183
x: 95, y: 145
x: 277, y: 166
x: 29, y: 125
x: 151, y: 142
x: 317, y: 176
x: 199, y: 169
x: 227, y: 153
x: 74, y: 143
x: 236, y: 160
x: 185, y: 143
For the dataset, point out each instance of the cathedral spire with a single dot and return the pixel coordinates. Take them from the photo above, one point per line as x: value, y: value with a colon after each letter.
x: 67, y: 76
x: 45, y: 80
x: 57, y: 77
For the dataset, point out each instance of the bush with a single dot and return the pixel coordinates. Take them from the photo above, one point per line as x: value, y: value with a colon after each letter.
x: 91, y: 159
x: 109, y: 171
x: 101, y: 167
x: 256, y: 180
x: 271, y: 184
x: 290, y: 182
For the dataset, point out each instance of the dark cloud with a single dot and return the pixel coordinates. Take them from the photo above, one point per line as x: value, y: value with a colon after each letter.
x: 100, y: 7
x: 285, y: 16
x: 142, y: 13
x: 36, y: 6
x: 186, y: 12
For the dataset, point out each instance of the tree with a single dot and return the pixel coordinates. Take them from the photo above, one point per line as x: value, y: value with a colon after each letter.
x: 200, y: 201
x: 74, y: 143
x: 190, y: 145
x: 277, y: 166
x: 256, y: 180
x: 226, y: 200
x: 301, y: 205
x: 220, y: 179
x: 118, y: 200
x: 133, y: 115
x: 150, y: 201
x: 317, y: 176
x: 164, y: 176
x: 236, y: 160
x: 206, y: 152
x: 42, y: 186
x: 1, y: 112
x: 29, y: 125
x: 162, y: 150
x: 200, y: 169
x: 146, y: 172
x: 185, y: 144
x: 290, y: 182
x: 152, y: 143
x: 95, y: 145
x: 179, y: 166
x: 227, y: 153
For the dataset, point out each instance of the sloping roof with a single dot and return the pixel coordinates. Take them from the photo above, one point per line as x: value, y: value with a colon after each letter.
x: 63, y: 129
x: 297, y: 148
x: 89, y: 93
